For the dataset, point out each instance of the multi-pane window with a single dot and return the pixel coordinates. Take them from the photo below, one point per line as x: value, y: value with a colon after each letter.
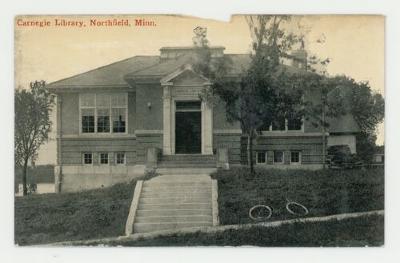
x: 103, y: 158
x: 87, y: 158
x: 278, y: 156
x: 261, y: 157
x: 103, y: 120
x: 87, y: 120
x: 295, y: 157
x: 294, y: 122
x: 88, y: 106
x: 120, y: 158
x: 119, y: 120
x: 103, y: 113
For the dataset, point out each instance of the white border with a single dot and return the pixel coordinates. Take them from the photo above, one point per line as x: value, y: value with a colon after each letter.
x: 217, y: 10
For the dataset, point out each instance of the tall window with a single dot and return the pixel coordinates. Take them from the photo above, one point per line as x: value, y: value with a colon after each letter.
x: 294, y: 122
x: 119, y: 108
x: 118, y: 119
x: 87, y: 112
x: 103, y: 113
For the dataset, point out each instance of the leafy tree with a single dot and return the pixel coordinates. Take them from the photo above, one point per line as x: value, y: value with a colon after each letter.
x: 263, y: 93
x: 32, y: 124
x: 266, y: 92
x: 368, y: 110
x: 339, y: 95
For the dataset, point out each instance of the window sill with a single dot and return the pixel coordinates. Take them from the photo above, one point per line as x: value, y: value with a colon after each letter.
x: 282, y: 132
x: 97, y: 136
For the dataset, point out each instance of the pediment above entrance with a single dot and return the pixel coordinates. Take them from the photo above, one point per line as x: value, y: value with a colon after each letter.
x: 185, y: 76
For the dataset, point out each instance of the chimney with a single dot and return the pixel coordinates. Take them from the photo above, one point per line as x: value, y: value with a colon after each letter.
x: 299, y: 59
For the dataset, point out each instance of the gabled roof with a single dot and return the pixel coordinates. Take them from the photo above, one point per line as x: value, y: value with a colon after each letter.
x: 139, y: 67
x: 109, y: 75
x: 239, y: 64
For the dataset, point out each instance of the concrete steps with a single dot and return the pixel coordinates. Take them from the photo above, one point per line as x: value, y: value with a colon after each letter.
x: 174, y: 219
x: 185, y: 170
x: 187, y: 161
x: 173, y: 206
x: 174, y: 212
x: 174, y: 201
x: 188, y: 158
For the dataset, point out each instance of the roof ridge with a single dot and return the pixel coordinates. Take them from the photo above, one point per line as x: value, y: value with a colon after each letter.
x: 157, y: 64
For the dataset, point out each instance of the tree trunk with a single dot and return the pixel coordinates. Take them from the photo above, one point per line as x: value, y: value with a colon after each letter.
x: 250, y: 152
x: 24, y: 175
x: 323, y: 139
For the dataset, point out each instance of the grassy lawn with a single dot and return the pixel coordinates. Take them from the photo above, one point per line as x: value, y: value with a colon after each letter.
x: 72, y: 216
x: 365, y: 231
x: 103, y: 212
x: 322, y: 192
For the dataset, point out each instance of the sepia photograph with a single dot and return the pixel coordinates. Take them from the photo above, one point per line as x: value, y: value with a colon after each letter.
x: 265, y: 130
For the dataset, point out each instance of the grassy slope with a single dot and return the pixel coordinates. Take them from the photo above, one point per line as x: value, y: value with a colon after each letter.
x: 322, y: 192
x: 367, y: 231
x: 102, y: 213
x: 72, y: 216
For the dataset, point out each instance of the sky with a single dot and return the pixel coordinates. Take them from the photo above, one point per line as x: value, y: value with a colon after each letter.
x: 354, y: 44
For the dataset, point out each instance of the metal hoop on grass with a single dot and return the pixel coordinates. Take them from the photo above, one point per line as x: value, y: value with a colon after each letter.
x: 260, y: 217
x: 289, y: 203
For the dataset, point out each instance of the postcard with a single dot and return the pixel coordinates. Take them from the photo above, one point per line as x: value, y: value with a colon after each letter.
x: 171, y: 130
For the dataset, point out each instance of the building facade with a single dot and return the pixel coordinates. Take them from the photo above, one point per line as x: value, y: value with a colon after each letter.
x: 116, y: 121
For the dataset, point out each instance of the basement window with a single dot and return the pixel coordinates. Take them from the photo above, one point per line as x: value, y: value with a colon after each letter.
x: 103, y: 158
x: 261, y: 157
x: 295, y: 157
x: 120, y: 158
x: 87, y: 158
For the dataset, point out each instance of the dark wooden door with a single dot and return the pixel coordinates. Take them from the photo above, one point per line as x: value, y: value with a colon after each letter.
x: 188, y: 132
